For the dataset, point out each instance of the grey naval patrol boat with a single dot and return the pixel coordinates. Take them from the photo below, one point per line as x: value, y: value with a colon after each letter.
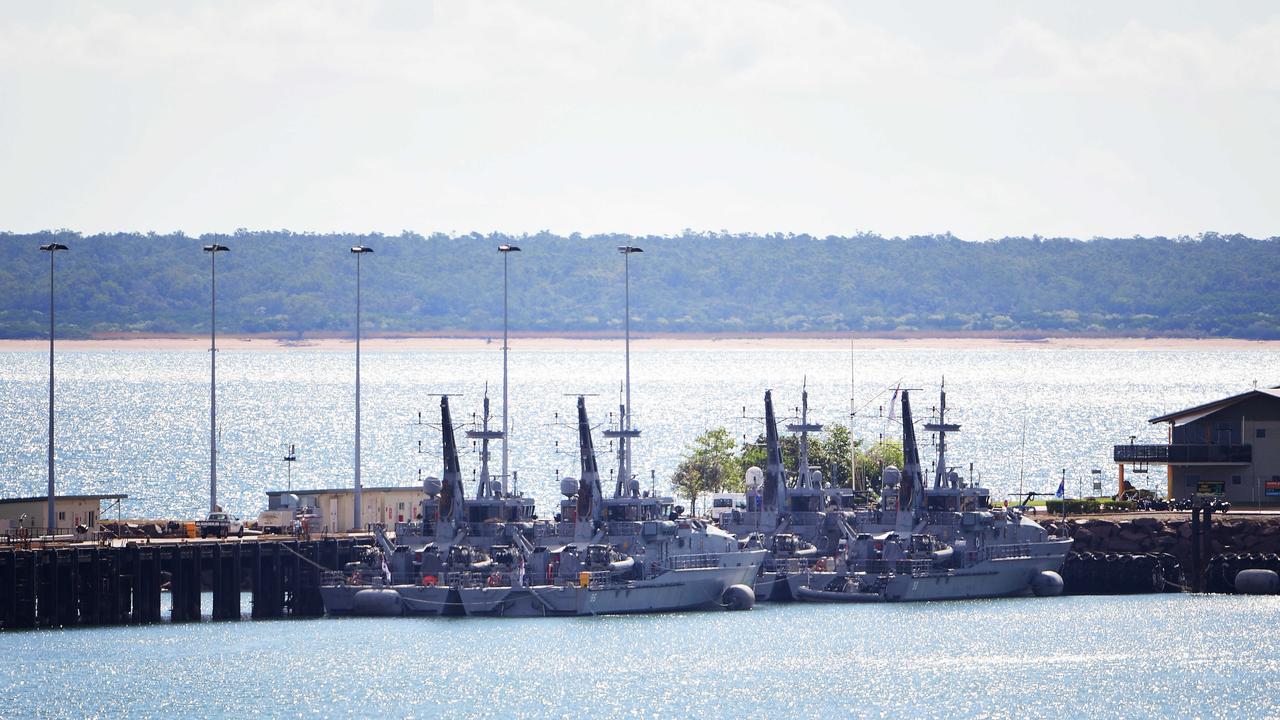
x: 798, y: 525
x: 943, y: 543
x: 625, y: 554
x: 456, y: 539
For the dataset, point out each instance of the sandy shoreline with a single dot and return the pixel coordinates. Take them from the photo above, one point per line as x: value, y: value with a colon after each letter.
x: 692, y: 342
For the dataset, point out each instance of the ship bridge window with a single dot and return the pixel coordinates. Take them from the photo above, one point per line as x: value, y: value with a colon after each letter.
x: 939, y: 502
x: 805, y: 503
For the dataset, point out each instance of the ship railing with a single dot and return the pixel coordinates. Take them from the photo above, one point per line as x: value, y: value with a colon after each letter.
x: 468, y: 578
x: 1004, y: 552
x: 338, y: 577
x: 912, y: 567
x: 794, y: 565
x: 693, y: 562
x: 625, y: 527
x: 871, y: 517
x: 944, y: 518
x: 596, y: 579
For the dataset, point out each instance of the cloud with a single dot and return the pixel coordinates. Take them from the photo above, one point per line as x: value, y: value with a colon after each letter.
x: 801, y: 115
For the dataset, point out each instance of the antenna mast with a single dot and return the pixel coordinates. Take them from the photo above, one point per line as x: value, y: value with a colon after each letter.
x: 804, y: 427
x: 942, y: 428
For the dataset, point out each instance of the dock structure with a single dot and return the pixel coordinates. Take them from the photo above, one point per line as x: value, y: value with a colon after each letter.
x: 64, y: 586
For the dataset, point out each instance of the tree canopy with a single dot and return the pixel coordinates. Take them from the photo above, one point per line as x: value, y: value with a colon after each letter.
x: 710, y: 465
x: 304, y: 284
x: 715, y: 463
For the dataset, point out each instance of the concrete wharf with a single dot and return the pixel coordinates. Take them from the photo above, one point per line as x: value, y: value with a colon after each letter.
x: 92, y: 584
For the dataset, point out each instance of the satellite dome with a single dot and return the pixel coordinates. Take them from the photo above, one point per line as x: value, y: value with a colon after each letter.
x: 568, y: 487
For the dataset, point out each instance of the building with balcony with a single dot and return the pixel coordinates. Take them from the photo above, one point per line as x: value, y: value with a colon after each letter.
x: 1228, y: 447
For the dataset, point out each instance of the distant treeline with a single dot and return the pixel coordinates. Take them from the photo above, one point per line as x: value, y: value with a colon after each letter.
x: 299, y: 284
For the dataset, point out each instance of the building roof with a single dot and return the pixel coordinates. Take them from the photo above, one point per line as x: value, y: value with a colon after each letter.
x: 1192, y: 414
x: 339, y: 491
x: 45, y: 498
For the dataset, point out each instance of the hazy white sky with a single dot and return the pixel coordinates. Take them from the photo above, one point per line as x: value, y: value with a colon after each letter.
x: 983, y: 119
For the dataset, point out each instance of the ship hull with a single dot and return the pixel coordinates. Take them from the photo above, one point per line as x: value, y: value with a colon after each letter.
x: 1003, y: 577
x: 671, y: 591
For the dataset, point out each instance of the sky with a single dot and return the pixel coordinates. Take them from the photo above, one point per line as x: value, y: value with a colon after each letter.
x: 983, y: 119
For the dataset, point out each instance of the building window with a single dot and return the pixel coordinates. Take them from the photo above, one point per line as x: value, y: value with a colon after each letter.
x: 62, y: 515
x: 1235, y: 479
x: 1260, y: 433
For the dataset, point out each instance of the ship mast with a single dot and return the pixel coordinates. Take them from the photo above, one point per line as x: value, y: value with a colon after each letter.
x: 942, y: 428
x: 775, y: 483
x: 451, y: 497
x: 911, y: 488
x: 804, y: 478
x: 484, y: 435
x: 589, y: 509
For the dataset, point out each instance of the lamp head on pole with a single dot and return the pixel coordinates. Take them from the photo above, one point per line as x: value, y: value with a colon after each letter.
x: 628, y: 249
x: 358, y: 249
x: 53, y: 247
x: 508, y: 248
x: 216, y: 248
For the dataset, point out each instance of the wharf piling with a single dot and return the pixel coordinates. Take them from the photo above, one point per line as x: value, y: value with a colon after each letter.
x: 110, y: 585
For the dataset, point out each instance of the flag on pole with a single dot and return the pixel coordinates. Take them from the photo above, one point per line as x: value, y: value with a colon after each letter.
x: 893, y: 404
x: 1062, y: 489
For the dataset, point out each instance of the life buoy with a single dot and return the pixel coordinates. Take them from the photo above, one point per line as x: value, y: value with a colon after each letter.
x: 355, y: 579
x: 821, y: 565
x: 494, y: 579
x: 429, y: 580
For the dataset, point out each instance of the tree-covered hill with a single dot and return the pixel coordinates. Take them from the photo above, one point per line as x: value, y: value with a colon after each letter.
x: 282, y: 282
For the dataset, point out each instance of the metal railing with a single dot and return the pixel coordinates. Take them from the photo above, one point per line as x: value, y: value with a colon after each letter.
x: 912, y: 567
x: 1004, y: 552
x: 1182, y: 453
x: 43, y: 535
x: 693, y: 562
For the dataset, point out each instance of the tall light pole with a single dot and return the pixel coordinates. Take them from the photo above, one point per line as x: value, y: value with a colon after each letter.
x: 52, y: 249
x: 358, y: 250
x: 506, y: 251
x: 213, y: 251
x: 626, y: 432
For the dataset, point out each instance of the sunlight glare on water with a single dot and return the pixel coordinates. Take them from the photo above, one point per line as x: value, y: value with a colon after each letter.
x: 137, y: 422
x: 1109, y: 657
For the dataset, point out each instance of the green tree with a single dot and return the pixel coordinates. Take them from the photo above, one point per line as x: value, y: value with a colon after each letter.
x: 709, y: 465
x: 1020, y: 287
x: 834, y: 450
x: 828, y: 452
x: 876, y: 458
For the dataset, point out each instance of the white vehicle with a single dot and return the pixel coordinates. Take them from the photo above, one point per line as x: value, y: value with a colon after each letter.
x: 220, y: 524
x: 722, y: 503
x: 276, y: 521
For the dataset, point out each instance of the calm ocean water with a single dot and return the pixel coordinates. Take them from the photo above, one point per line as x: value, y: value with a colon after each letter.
x: 1095, y: 657
x: 137, y: 422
